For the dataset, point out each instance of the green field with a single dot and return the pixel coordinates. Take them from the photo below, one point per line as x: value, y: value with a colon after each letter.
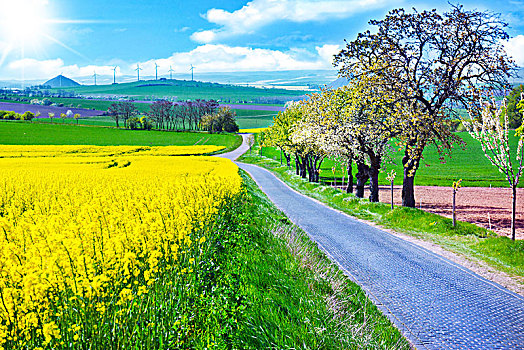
x: 468, y: 164
x: 249, y: 119
x: 24, y: 133
x: 183, y: 90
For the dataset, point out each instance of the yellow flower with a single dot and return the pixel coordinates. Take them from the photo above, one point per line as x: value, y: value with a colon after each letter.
x: 95, y: 221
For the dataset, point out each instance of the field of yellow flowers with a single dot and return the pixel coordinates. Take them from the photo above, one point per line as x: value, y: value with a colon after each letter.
x: 87, y: 232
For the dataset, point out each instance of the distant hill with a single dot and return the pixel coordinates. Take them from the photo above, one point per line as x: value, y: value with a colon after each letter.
x: 61, y: 82
x: 182, y: 90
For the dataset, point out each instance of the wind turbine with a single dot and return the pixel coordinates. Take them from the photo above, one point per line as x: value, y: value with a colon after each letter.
x: 171, y: 73
x: 138, y: 69
x: 114, y: 74
x: 192, y: 68
x: 94, y: 76
x: 156, y: 71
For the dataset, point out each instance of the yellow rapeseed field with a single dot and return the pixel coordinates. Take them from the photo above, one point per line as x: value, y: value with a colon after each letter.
x: 13, y: 151
x: 86, y: 222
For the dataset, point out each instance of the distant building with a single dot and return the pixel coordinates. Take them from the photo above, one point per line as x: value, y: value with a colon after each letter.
x: 61, y: 82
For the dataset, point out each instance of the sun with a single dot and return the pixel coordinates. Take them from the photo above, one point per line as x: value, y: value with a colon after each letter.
x: 23, y: 22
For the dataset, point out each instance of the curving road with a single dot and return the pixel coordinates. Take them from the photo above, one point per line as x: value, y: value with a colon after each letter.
x: 244, y: 147
x: 436, y: 303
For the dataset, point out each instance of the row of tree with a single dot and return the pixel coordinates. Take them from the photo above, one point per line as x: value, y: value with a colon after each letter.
x: 170, y: 116
x: 406, y: 79
x: 167, y: 115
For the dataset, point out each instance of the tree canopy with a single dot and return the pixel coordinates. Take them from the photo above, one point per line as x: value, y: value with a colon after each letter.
x: 431, y: 62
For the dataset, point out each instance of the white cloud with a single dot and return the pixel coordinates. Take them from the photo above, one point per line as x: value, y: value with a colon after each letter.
x: 205, y: 58
x: 260, y: 13
x: 29, y: 68
x: 35, y: 69
x: 515, y: 48
x: 327, y: 52
x: 205, y: 36
x: 182, y: 30
x: 223, y: 58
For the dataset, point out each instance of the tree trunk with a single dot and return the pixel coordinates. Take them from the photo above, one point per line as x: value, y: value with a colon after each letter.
x: 316, y: 167
x: 513, y: 209
x: 408, y: 190
x: 373, y: 177
x: 373, y: 182
x: 297, y: 165
x: 362, y: 178
x: 349, y: 188
x: 309, y: 168
x: 303, y: 167
x: 408, y: 185
x: 288, y: 158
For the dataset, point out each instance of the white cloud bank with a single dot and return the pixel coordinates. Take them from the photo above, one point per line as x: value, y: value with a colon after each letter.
x: 205, y: 58
x: 260, y: 13
x: 515, y: 48
x: 223, y: 58
x: 29, y: 68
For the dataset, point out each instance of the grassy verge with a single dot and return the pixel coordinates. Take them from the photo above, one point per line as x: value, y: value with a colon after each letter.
x: 26, y: 133
x: 294, y: 296
x: 469, y: 240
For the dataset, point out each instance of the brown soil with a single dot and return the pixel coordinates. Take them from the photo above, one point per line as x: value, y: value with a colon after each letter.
x: 481, y: 206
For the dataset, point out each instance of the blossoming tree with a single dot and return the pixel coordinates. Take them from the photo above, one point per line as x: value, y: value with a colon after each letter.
x: 491, y: 129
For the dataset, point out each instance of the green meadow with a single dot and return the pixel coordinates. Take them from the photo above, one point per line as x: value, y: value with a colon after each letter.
x: 25, y: 133
x: 467, y: 163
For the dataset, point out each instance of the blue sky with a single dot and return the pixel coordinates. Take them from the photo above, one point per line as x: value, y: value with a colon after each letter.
x: 42, y: 38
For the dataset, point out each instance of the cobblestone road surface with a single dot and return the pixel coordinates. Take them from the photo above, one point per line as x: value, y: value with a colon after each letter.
x: 436, y: 303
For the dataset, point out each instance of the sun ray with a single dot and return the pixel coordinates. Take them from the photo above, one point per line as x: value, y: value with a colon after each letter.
x: 55, y: 40
x: 6, y: 52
